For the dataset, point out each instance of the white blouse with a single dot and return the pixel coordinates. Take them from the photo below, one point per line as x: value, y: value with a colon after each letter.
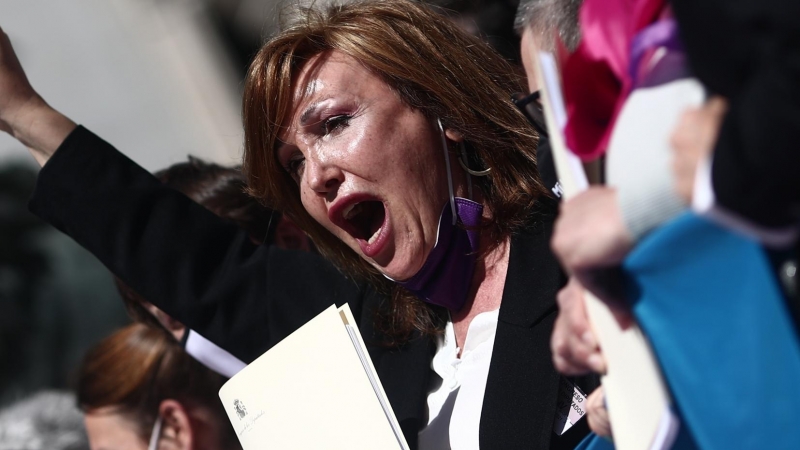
x: 456, y: 398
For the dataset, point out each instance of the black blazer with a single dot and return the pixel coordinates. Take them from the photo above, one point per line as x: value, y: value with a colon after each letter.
x: 246, y: 298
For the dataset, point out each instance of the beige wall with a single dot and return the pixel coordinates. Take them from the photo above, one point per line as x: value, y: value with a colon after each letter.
x: 147, y: 75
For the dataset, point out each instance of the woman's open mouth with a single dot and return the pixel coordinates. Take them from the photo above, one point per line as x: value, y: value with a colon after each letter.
x: 364, y: 219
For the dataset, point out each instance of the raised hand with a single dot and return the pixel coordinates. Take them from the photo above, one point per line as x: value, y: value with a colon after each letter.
x: 23, y: 113
x: 15, y: 91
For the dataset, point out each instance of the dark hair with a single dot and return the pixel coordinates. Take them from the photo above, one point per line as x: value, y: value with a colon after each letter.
x: 219, y: 189
x: 136, y: 368
x: 434, y: 67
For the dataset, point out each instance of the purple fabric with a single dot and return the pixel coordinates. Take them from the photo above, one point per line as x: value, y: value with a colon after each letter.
x: 445, y: 277
x: 663, y: 33
x: 673, y: 66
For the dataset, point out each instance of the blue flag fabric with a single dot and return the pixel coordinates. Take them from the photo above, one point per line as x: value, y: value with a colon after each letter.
x: 683, y: 441
x: 709, y: 302
x: 594, y: 442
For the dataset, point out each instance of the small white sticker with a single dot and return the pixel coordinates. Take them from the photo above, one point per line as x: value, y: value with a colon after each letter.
x: 558, y: 190
x: 571, y: 406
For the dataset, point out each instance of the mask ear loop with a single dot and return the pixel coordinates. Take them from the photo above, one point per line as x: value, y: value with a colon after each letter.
x: 449, y: 173
x: 155, y: 436
x: 468, y: 172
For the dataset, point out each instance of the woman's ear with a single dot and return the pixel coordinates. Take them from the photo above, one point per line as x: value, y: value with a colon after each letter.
x: 176, y: 430
x: 454, y: 135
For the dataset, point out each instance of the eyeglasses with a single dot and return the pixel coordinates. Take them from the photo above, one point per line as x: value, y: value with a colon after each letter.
x: 532, y: 110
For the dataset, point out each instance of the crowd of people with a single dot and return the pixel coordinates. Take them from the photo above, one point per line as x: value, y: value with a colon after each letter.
x: 394, y: 162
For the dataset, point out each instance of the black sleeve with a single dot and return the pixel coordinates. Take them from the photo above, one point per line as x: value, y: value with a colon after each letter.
x: 749, y: 52
x: 198, y: 268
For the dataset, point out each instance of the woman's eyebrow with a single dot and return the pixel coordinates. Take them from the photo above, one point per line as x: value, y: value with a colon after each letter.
x: 312, y: 108
x: 308, y: 112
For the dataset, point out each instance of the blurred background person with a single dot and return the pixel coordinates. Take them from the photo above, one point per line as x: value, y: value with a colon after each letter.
x: 140, y: 390
x: 221, y: 190
x: 735, y: 158
x: 540, y: 25
x: 748, y: 53
x: 547, y: 26
x: 47, y: 420
x: 627, y: 94
x: 544, y: 25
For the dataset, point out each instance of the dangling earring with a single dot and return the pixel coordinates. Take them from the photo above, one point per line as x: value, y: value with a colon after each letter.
x: 463, y: 161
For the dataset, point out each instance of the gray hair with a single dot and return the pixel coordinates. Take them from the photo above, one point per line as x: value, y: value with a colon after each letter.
x: 544, y: 17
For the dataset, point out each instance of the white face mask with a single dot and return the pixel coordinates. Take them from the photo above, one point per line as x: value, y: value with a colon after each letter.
x: 155, y: 436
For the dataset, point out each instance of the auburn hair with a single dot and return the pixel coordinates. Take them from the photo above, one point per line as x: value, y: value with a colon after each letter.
x: 434, y: 67
x: 139, y: 366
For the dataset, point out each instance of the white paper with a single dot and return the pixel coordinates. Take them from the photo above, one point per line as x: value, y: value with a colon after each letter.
x: 312, y: 391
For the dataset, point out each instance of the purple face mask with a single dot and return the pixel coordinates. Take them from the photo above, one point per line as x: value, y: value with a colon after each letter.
x: 446, y: 276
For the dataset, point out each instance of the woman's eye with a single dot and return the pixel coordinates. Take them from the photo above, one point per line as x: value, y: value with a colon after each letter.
x: 294, y: 166
x: 336, y: 122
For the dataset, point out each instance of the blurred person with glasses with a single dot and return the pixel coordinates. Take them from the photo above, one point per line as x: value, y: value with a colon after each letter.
x: 541, y: 24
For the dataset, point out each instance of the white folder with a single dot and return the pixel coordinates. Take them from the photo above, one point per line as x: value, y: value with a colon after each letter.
x: 637, y: 397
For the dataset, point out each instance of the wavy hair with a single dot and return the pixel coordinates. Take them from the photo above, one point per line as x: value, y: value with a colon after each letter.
x: 434, y: 67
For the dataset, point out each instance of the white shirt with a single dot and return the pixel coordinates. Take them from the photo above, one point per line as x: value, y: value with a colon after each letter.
x: 454, y: 404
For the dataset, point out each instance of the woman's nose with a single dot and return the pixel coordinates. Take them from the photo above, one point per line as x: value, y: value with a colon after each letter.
x: 322, y: 176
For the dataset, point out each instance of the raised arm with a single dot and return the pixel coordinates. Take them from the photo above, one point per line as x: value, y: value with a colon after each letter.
x: 23, y: 113
x: 200, y: 269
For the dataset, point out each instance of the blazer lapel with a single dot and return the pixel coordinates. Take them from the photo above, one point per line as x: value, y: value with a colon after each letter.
x: 405, y: 374
x: 521, y: 391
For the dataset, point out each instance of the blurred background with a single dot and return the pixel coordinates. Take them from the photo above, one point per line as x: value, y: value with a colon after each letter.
x: 160, y: 79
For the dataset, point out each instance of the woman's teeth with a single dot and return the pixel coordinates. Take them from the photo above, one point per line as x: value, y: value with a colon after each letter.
x: 374, y: 237
x: 351, y: 211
